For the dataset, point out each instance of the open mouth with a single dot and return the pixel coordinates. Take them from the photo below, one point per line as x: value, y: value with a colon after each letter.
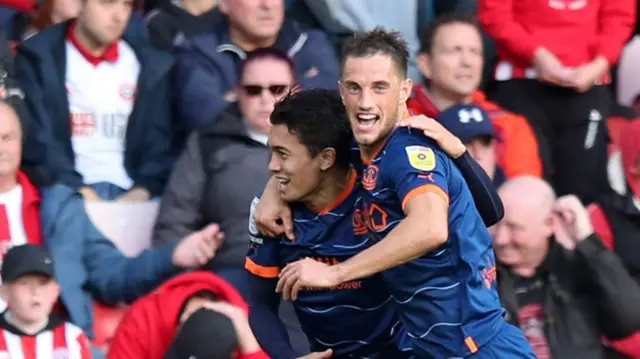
x: 367, y: 120
x: 282, y: 183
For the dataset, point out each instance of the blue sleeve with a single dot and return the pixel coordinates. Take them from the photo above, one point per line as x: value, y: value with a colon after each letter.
x: 482, y: 189
x: 114, y: 277
x: 159, y: 155
x: 416, y: 167
x: 200, y: 88
x: 262, y: 259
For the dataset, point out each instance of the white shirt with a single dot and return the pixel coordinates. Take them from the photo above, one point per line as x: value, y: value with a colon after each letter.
x: 101, y: 98
x: 12, y: 232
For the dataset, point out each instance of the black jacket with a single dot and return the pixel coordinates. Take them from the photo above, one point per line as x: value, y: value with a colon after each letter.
x: 588, y: 294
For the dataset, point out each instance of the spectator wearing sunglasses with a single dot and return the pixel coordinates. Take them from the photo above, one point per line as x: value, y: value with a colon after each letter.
x: 223, y: 167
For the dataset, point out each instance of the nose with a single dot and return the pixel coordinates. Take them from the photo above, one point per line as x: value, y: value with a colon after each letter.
x: 366, y: 101
x: 501, y: 235
x: 274, y: 164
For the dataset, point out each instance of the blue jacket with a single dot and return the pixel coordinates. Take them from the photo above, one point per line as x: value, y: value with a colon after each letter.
x: 207, y: 69
x: 40, y: 65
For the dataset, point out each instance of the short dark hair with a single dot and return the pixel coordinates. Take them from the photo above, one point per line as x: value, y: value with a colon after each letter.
x: 378, y: 42
x: 319, y: 121
x: 428, y: 34
x: 266, y: 53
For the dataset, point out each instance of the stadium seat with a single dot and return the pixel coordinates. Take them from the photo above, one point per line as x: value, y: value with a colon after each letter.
x: 129, y: 226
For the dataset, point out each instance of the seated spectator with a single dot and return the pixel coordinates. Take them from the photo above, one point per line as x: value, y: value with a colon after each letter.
x: 19, y: 217
x: 472, y: 125
x: 223, y: 168
x: 97, y: 133
x: 52, y: 12
x: 10, y: 91
x: 451, y: 59
x: 181, y: 18
x: 29, y: 328
x: 206, y: 69
x: 195, y: 315
x: 556, y: 280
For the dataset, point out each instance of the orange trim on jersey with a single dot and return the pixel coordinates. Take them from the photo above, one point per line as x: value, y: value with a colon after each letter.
x: 261, y: 271
x: 424, y: 189
x: 351, y: 184
x: 471, y: 344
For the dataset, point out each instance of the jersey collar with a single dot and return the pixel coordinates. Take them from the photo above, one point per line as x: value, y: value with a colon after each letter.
x: 109, y: 55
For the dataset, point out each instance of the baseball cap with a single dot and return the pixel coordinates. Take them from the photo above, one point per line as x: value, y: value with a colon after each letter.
x: 206, y: 334
x: 467, y: 122
x: 26, y: 259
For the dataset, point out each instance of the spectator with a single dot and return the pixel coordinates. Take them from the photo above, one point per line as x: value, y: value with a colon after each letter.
x: 451, y: 59
x: 555, y: 278
x: 52, y: 12
x: 472, y: 125
x: 77, y: 144
x: 554, y: 72
x: 223, y: 168
x: 199, y: 312
x: 616, y: 217
x: 19, y: 217
x: 10, y: 91
x: 169, y: 22
x: 29, y: 329
x: 206, y: 69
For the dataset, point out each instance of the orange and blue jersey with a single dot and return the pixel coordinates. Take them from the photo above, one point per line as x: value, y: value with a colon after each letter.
x: 447, y: 298
x: 356, y: 319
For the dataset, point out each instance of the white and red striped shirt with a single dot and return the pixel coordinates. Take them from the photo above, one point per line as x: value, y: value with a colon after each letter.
x: 60, y: 340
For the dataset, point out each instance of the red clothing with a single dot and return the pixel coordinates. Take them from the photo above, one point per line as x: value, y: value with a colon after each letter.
x: 30, y: 209
x: 576, y: 31
x: 148, y: 329
x: 517, y: 148
x: 21, y: 5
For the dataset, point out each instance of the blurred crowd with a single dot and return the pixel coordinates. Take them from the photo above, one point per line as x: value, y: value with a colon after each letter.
x: 133, y: 140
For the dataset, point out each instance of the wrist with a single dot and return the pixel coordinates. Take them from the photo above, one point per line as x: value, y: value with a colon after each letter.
x: 460, y: 151
x: 338, y: 273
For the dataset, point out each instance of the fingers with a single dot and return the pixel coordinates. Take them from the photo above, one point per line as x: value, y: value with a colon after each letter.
x: 295, y: 288
x: 287, y: 223
x: 326, y: 354
x: 288, y: 278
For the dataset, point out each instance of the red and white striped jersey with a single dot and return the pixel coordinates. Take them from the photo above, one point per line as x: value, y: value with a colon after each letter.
x: 60, y: 340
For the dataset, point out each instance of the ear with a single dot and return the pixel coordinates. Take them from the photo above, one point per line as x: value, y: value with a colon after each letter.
x: 424, y: 64
x: 341, y: 90
x: 405, y: 90
x: 327, y: 158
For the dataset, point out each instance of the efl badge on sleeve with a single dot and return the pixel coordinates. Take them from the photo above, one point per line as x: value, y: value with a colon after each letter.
x: 421, y: 158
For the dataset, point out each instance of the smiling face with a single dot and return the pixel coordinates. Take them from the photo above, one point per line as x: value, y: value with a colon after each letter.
x: 374, y: 93
x: 298, y: 174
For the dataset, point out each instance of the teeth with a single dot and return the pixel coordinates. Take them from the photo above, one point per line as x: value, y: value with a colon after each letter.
x: 367, y: 117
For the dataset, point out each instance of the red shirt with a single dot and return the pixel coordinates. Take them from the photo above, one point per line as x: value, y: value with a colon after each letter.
x: 576, y: 31
x: 148, y: 329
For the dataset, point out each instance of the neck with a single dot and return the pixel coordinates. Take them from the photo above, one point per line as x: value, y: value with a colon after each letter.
x: 329, y: 190
x: 198, y: 7
x: 529, y: 269
x: 247, y: 44
x: 8, y: 182
x: 89, y: 44
x: 442, y: 99
x: 25, y: 326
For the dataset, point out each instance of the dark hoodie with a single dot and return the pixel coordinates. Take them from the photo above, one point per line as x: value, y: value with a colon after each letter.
x: 214, y: 181
x: 149, y: 327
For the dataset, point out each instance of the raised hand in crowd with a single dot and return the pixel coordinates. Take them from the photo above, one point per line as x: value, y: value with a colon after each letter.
x: 198, y: 248
x: 571, y: 222
x: 246, y: 340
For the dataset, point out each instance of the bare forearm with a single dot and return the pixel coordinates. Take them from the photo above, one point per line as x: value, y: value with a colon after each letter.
x: 409, y: 240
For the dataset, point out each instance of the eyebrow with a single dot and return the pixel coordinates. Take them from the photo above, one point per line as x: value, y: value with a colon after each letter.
x: 279, y: 149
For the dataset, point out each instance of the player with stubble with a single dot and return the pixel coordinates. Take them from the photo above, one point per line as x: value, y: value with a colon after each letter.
x: 432, y: 246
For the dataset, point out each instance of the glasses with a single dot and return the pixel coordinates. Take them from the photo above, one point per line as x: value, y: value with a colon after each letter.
x: 256, y: 90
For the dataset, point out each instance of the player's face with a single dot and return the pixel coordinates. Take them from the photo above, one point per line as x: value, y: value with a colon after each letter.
x: 482, y: 150
x: 522, y: 237
x: 263, y: 83
x: 374, y: 94
x: 455, y: 63
x: 298, y: 174
x: 31, y: 297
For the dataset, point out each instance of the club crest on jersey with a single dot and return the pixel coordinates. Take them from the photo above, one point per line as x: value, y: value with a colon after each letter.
x: 127, y: 92
x: 421, y: 158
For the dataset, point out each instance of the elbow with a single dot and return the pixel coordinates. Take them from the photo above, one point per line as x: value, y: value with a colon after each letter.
x: 433, y: 237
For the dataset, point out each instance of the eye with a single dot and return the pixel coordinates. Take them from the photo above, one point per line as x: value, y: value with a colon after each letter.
x: 353, y: 89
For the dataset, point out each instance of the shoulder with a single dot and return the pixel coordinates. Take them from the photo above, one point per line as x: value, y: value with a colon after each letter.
x: 406, y: 140
x: 41, y: 42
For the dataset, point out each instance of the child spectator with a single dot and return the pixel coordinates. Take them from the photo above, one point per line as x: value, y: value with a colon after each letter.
x: 29, y: 329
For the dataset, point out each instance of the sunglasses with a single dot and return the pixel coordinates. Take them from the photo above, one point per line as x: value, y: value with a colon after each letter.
x: 256, y: 90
